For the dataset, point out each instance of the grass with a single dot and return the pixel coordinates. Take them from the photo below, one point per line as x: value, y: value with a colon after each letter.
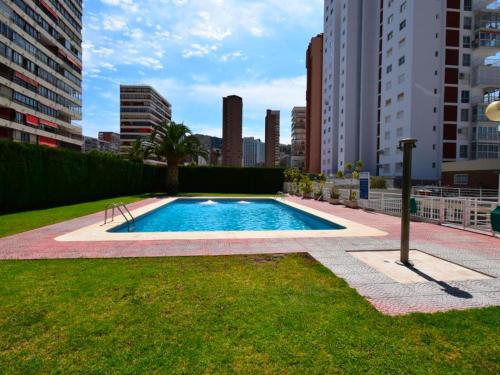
x: 23, y: 221
x: 242, y: 314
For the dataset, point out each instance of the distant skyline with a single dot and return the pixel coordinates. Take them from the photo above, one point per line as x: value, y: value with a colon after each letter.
x: 195, y: 53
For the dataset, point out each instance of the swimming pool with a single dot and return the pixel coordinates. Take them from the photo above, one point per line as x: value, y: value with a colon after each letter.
x: 218, y: 215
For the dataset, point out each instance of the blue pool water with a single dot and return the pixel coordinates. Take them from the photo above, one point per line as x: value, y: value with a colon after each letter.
x: 196, y: 215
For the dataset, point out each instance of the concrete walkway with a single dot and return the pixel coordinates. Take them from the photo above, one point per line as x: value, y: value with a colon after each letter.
x: 475, y: 251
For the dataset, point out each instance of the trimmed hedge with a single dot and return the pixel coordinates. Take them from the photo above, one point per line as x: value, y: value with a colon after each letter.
x: 34, y: 177
x: 231, y: 180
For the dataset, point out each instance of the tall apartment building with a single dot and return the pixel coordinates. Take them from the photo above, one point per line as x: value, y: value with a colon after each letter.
x: 314, y: 65
x: 272, y: 138
x: 253, y: 152
x: 142, y: 108
x: 41, y: 72
x: 213, y: 147
x: 420, y: 68
x: 232, y: 130
x: 298, y: 137
x: 112, y: 138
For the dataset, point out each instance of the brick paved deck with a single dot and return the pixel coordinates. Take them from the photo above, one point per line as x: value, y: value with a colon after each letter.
x: 476, y: 251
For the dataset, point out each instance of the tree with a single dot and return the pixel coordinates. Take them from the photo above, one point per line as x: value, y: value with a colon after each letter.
x: 348, y: 167
x: 359, y: 166
x: 137, y: 152
x: 174, y: 143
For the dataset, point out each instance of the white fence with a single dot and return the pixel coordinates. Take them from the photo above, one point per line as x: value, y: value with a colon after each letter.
x: 449, y: 192
x: 464, y: 212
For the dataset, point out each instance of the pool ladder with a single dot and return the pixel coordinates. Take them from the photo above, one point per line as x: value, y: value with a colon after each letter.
x: 123, y: 209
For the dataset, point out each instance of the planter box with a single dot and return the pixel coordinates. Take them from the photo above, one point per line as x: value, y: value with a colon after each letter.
x: 351, y: 204
x: 335, y: 201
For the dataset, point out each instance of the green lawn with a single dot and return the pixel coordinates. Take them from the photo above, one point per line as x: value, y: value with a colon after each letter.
x: 243, y: 314
x: 23, y: 221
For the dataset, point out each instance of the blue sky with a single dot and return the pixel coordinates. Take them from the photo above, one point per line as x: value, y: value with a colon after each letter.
x: 195, y: 52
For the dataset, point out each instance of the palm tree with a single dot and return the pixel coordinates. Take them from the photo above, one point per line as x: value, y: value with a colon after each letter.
x: 136, y: 153
x: 174, y: 143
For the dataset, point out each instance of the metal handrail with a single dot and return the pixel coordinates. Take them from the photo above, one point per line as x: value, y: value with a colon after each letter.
x: 130, y: 220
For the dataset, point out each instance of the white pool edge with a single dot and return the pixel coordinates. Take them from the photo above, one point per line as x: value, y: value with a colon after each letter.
x: 98, y: 232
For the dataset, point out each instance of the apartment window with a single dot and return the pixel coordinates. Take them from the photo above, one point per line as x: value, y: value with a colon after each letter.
x: 390, y: 35
x: 464, y: 114
x: 388, y: 102
x: 387, y: 119
x: 464, y: 151
x: 461, y: 179
x: 402, y: 8
x: 402, y: 25
x: 466, y: 42
x: 467, y: 23
x: 402, y: 43
x: 466, y: 59
x: 465, y: 96
x: 388, y: 69
x: 388, y: 53
x: 468, y: 5
x: 401, y: 78
x: 400, y: 115
x: 387, y: 135
x: 399, y: 132
x: 401, y: 96
x: 401, y: 60
x: 388, y: 85
x: 390, y: 19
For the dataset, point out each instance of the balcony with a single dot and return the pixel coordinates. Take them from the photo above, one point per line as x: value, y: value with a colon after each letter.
x: 487, y: 28
x: 487, y: 75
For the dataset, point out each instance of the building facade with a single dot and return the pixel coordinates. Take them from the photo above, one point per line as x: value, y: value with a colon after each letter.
x: 314, y: 65
x: 142, y: 109
x: 253, y: 152
x: 41, y: 72
x: 94, y: 144
x: 422, y: 69
x: 113, y: 139
x: 213, y: 147
x: 298, y: 137
x: 232, y: 131
x: 272, y: 138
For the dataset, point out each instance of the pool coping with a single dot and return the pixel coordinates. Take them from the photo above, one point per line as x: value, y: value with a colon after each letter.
x: 98, y: 232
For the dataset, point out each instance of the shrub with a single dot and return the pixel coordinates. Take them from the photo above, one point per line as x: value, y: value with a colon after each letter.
x: 231, y: 180
x: 334, y: 193
x: 34, y: 177
x: 292, y: 174
x: 306, y: 186
x: 377, y: 182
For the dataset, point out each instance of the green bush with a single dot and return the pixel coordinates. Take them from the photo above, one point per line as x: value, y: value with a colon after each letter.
x: 377, y: 182
x: 231, y: 180
x: 34, y: 177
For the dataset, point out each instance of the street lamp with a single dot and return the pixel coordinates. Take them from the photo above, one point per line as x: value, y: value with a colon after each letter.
x: 493, y: 114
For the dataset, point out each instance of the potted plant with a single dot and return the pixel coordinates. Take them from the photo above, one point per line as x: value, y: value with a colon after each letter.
x: 334, y: 196
x: 318, y: 195
x: 306, y: 187
x: 352, y: 202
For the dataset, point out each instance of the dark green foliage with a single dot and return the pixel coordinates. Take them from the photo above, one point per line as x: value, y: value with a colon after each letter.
x: 231, y: 180
x: 33, y: 177
x: 377, y: 182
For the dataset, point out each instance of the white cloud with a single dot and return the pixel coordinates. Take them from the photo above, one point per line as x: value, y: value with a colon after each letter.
x: 197, y: 50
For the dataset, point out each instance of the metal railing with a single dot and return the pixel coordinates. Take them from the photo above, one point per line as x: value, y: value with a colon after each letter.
x: 124, y: 211
x: 470, y: 213
x: 452, y: 192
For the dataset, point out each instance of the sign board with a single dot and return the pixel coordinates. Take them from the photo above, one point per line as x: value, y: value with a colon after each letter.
x: 364, y: 185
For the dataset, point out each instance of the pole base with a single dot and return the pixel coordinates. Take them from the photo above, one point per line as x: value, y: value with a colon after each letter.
x: 407, y: 264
